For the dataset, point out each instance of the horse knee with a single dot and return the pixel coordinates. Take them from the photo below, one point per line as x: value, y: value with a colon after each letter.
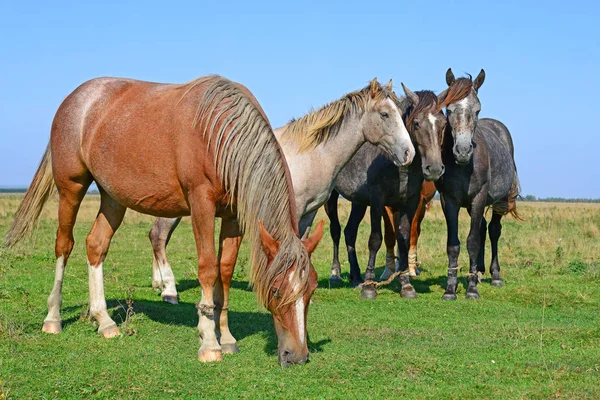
x: 495, y: 231
x: 64, y: 244
x: 375, y: 240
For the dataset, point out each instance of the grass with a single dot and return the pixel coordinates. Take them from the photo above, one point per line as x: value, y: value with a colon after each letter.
x: 538, y: 337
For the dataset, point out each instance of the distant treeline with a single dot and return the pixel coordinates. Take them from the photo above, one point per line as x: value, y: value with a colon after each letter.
x: 531, y: 197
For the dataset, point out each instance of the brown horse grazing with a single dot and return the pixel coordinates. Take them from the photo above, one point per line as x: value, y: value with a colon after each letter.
x: 203, y: 149
x: 316, y: 147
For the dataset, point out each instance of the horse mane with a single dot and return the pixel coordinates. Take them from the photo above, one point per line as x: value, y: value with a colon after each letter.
x: 252, y: 169
x: 458, y: 90
x: 428, y: 102
x: 321, y: 125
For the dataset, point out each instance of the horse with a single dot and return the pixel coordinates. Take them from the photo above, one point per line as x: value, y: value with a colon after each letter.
x: 316, y: 147
x: 480, y: 172
x: 371, y: 179
x: 203, y: 149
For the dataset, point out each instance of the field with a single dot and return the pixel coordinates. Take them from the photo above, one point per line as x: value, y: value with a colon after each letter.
x: 537, y: 337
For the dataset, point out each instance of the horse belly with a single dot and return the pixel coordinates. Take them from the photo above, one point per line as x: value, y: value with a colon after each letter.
x: 502, y: 172
x: 138, y: 171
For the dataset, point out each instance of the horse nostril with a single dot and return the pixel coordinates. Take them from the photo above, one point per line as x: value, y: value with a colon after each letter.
x: 443, y: 170
x: 406, y: 155
x: 285, y: 355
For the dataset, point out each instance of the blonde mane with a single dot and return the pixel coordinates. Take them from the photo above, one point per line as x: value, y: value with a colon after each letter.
x: 323, y: 124
x: 252, y: 169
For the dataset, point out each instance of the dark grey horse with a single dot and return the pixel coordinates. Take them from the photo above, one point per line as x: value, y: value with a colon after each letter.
x: 480, y: 172
x: 372, y: 179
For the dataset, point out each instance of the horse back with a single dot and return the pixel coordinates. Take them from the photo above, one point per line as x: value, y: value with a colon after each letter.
x: 134, y: 137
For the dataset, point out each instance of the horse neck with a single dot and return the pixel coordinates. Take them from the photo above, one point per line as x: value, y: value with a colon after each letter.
x: 447, y: 154
x: 314, y: 171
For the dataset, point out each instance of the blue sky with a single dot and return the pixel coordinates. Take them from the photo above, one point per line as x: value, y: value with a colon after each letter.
x: 541, y: 59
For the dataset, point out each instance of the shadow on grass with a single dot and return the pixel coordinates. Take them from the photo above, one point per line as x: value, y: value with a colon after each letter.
x: 420, y: 285
x: 241, y: 323
x: 187, y: 284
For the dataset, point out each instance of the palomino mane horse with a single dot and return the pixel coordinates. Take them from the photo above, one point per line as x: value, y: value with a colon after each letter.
x: 319, y: 126
x: 316, y: 147
x: 480, y: 172
x: 213, y: 154
x: 371, y: 180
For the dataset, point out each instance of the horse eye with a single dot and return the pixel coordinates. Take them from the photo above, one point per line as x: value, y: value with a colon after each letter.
x: 276, y: 293
x: 416, y: 124
x: 384, y: 115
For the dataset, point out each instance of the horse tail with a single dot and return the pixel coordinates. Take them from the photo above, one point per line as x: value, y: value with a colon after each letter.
x: 37, y: 195
x: 513, y: 194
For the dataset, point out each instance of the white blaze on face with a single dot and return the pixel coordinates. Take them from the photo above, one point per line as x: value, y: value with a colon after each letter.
x: 432, y: 120
x: 299, y: 312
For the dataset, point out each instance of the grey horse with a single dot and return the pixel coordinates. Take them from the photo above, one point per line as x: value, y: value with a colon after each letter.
x: 480, y: 172
x: 370, y: 179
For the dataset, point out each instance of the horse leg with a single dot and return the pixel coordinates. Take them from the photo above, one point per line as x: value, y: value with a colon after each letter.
x: 375, y: 239
x: 350, y: 232
x: 389, y: 237
x: 474, y: 242
x: 495, y: 232
x: 163, y: 278
x: 203, y: 225
x: 451, y: 210
x: 335, y: 229
x: 70, y: 197
x: 107, y: 222
x: 415, y: 232
x: 482, y: 236
x: 230, y: 240
x: 306, y: 222
x: 404, y: 221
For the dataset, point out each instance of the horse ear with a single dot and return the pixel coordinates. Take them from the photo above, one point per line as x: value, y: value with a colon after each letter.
x: 375, y: 87
x: 479, y: 80
x: 414, y: 99
x: 449, y: 77
x: 270, y: 245
x: 442, y: 97
x: 389, y: 86
x: 313, y: 240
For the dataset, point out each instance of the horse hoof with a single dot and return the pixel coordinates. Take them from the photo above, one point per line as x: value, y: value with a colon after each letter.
x: 368, y: 293
x: 497, y: 282
x: 230, y: 348
x: 110, y: 332
x: 449, y: 296
x: 472, y: 295
x: 335, y: 279
x: 170, y: 299
x: 208, y: 355
x: 408, y: 293
x: 52, y: 327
